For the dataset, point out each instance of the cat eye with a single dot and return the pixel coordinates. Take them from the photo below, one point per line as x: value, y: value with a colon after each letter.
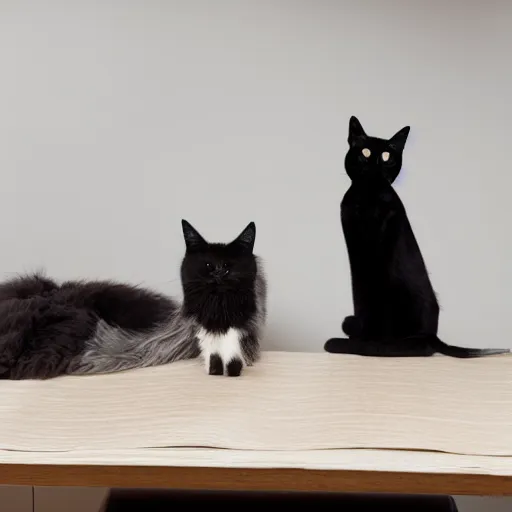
x: 209, y: 266
x: 366, y: 152
x: 385, y: 156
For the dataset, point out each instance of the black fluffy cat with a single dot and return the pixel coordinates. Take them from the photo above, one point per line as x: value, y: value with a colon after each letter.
x: 225, y: 297
x: 395, y: 308
x: 78, y: 328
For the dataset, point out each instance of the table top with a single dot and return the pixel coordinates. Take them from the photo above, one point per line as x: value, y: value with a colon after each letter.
x: 294, y: 422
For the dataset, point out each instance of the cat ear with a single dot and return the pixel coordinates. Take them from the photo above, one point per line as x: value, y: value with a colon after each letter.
x: 193, y: 240
x: 246, y: 238
x: 397, y: 142
x: 355, y: 131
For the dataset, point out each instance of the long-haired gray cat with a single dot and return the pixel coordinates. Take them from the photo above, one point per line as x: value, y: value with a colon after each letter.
x: 92, y: 327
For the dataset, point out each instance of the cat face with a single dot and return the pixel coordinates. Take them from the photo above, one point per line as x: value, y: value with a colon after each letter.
x: 372, y: 158
x: 218, y: 266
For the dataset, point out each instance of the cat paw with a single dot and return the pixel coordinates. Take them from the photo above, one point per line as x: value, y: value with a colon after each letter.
x: 216, y: 366
x: 335, y: 345
x: 234, y: 368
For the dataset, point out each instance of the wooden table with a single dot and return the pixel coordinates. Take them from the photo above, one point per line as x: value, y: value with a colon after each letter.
x: 280, y: 428
x: 315, y: 471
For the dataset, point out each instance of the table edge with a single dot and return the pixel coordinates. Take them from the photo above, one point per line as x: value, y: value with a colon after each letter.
x: 253, y: 479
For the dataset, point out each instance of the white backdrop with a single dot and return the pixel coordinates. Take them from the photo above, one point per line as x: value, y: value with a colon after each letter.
x: 118, y: 119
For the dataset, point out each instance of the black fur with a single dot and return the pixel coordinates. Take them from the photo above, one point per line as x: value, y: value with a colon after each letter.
x: 86, y: 327
x: 234, y: 368
x: 220, y: 286
x: 395, y: 308
x: 219, y: 280
x: 44, y: 326
x: 216, y: 365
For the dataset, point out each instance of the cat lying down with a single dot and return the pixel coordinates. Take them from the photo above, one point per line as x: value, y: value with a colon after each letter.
x: 90, y: 327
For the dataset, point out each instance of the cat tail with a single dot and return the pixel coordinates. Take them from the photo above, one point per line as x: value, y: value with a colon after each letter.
x: 463, y: 352
x: 113, y: 349
x: 417, y: 346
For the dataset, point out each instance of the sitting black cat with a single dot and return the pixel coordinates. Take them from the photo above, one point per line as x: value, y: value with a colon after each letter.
x: 395, y: 307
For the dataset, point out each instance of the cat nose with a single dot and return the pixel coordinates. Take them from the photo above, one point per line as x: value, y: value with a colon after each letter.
x: 221, y: 272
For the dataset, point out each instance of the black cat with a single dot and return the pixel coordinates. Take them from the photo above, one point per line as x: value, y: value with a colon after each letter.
x: 48, y: 329
x: 225, y: 290
x: 395, y: 307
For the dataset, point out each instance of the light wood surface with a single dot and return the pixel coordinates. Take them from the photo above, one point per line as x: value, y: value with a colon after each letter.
x: 287, y: 402
x: 345, y: 424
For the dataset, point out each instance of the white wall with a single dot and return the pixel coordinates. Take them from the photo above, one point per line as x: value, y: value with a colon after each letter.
x: 118, y: 119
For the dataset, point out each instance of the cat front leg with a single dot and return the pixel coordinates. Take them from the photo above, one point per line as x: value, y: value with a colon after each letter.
x: 246, y: 354
x: 216, y: 365
x: 222, y: 352
x: 234, y: 368
x: 230, y: 349
x: 212, y: 361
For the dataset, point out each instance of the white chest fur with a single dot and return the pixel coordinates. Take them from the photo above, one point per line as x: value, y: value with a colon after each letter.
x: 227, y: 346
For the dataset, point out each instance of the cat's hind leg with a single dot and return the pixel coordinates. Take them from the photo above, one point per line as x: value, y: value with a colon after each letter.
x: 351, y: 326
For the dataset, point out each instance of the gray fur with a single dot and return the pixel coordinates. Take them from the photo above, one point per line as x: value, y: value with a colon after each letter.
x: 113, y: 349
x: 256, y: 326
